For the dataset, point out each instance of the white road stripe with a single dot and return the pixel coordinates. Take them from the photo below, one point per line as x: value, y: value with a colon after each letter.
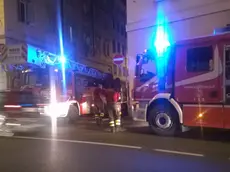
x: 178, y: 152
x: 79, y: 141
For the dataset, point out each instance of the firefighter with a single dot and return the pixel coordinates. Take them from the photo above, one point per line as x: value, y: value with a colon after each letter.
x: 99, y: 103
x: 113, y: 108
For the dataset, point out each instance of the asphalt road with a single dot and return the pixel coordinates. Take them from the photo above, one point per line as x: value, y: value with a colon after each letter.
x: 83, y: 147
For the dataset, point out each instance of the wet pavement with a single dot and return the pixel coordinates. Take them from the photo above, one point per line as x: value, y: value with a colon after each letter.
x: 85, y: 147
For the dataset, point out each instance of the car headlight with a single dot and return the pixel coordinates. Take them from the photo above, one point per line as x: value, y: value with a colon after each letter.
x: 84, y: 105
x: 57, y: 109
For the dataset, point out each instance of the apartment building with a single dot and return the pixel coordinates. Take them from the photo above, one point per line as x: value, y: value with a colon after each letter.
x: 27, y: 28
x: 103, y: 33
x: 94, y: 32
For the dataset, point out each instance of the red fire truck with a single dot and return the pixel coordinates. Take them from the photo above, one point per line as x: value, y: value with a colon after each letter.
x: 188, y: 86
x: 55, y: 99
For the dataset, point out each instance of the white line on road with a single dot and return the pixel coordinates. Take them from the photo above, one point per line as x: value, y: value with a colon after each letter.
x: 79, y: 141
x: 178, y: 152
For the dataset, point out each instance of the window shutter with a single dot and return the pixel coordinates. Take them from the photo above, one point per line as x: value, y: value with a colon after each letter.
x: 30, y: 13
x: 19, y: 10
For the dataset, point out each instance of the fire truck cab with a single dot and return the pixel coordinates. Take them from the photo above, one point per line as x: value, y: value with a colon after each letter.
x: 188, y: 85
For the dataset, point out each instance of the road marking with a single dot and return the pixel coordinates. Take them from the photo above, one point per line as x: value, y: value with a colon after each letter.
x: 79, y: 141
x: 178, y: 152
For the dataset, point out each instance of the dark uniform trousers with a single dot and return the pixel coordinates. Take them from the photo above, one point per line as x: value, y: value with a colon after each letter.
x: 114, y: 114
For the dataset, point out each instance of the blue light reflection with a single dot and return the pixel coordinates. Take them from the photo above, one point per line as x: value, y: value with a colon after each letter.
x: 162, y: 43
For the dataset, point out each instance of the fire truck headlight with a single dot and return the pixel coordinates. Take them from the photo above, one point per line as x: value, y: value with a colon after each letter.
x: 84, y: 105
x: 57, y: 109
x: 200, y: 115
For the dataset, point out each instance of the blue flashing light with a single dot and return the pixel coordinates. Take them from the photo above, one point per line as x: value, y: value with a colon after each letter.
x: 161, y: 38
x: 61, y: 44
x: 63, y: 59
x: 161, y: 41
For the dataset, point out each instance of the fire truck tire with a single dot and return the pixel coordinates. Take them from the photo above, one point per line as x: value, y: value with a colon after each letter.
x: 163, y: 119
x: 73, y: 114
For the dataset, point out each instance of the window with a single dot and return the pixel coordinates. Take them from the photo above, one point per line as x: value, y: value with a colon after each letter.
x: 122, y: 30
x: 25, y: 11
x: 124, y: 71
x: 115, y: 69
x: 118, y: 27
x: 123, y: 50
x: 104, y: 48
x: 86, y: 8
x: 200, y: 59
x: 22, y: 10
x: 114, y: 46
x: 70, y: 33
x: 114, y: 24
x: 107, y: 49
x: 51, y: 16
x: 118, y: 47
x: 70, y: 2
x: 120, y: 71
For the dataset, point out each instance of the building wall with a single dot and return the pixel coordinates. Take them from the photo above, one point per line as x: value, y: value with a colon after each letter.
x: 39, y: 29
x: 100, y: 28
x: 120, y: 46
x: 35, y: 24
x: 186, y: 19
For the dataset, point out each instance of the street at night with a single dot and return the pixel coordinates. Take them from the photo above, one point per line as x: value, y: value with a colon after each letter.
x: 112, y: 85
x: 86, y: 147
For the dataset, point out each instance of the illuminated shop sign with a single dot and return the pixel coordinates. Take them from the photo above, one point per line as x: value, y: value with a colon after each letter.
x: 88, y: 71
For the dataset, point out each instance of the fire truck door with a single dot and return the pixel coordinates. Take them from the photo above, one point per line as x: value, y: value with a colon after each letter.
x: 198, y: 85
x: 226, y: 86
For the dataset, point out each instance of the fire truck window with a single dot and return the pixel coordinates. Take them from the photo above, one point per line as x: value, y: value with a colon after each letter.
x: 148, y: 70
x: 200, y: 59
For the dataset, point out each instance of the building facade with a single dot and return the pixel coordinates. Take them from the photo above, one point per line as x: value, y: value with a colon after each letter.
x: 26, y: 28
x: 94, y: 34
x: 185, y: 20
x: 33, y: 22
x: 101, y: 33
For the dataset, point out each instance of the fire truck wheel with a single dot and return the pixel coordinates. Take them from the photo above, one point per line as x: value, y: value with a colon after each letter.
x: 163, y: 120
x: 73, y: 114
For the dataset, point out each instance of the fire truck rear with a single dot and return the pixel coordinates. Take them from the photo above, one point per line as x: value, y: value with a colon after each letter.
x: 186, y: 85
x: 56, y: 99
